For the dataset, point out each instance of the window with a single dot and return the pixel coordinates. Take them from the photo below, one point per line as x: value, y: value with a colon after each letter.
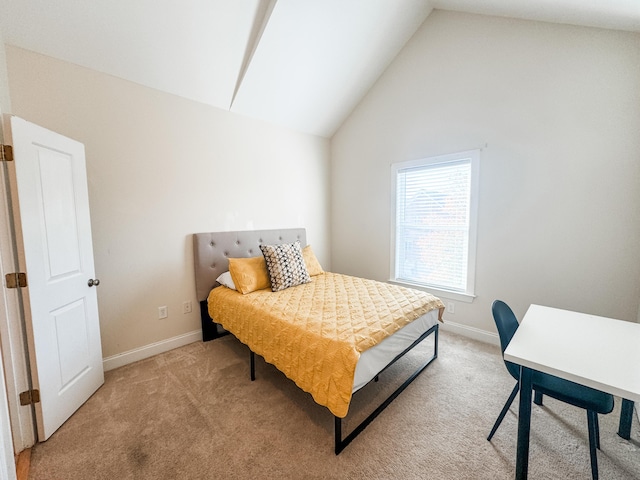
x: 434, y: 234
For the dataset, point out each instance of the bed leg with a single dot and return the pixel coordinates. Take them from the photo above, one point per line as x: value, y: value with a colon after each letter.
x: 253, y: 365
x: 338, y: 435
x: 210, y: 329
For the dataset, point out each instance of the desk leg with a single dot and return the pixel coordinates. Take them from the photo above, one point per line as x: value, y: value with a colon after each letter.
x: 524, y: 424
x: 626, y: 417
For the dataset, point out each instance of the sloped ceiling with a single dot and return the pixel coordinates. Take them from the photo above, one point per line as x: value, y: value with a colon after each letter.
x: 303, y: 64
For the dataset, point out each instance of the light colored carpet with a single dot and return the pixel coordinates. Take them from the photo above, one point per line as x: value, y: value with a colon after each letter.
x: 193, y: 413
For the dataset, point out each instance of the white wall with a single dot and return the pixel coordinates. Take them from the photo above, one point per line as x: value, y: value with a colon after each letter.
x: 556, y: 111
x: 159, y: 169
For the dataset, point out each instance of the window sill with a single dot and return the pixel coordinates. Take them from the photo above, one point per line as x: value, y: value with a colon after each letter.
x: 448, y: 294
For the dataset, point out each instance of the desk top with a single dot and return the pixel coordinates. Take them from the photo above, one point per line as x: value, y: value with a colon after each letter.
x: 599, y: 352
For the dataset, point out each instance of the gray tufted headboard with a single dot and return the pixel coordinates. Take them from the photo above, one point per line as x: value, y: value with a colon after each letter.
x: 211, y: 252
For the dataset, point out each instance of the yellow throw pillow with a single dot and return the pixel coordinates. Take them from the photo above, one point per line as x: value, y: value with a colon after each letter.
x: 249, y: 274
x: 312, y: 263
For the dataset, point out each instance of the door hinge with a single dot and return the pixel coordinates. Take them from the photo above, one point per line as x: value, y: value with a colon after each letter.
x: 16, y: 280
x: 30, y: 397
x: 6, y: 153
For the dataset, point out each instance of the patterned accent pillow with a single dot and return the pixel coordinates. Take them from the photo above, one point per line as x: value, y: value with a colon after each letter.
x: 285, y: 265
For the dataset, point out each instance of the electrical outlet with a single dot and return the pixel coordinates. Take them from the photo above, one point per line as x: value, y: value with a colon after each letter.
x: 186, y: 307
x: 451, y: 307
x: 163, y: 312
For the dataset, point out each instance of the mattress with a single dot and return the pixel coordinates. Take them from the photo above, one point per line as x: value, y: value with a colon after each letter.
x: 374, y: 359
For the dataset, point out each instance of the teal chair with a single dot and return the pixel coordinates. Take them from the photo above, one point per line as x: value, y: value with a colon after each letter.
x: 592, y: 400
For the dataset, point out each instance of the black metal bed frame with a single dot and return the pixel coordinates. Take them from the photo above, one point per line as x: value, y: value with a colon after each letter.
x: 341, y: 443
x: 211, y: 253
x: 211, y: 330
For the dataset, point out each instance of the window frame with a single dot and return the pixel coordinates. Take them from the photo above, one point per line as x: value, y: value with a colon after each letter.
x: 474, y: 156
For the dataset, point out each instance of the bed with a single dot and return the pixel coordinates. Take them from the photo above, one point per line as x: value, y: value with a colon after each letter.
x: 328, y: 368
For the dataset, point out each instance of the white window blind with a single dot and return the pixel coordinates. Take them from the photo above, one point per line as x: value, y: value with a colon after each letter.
x: 435, y: 222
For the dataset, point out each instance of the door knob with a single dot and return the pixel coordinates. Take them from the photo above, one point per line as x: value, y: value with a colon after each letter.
x: 93, y: 281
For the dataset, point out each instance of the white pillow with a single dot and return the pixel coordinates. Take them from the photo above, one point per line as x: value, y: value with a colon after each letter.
x: 226, y: 280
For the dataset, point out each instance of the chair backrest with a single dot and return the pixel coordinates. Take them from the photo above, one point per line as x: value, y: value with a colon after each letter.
x: 507, y: 324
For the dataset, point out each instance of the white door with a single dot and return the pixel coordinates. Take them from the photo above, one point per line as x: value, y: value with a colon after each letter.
x: 61, y: 308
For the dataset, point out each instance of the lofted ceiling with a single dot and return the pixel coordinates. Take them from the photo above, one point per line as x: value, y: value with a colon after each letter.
x: 303, y: 64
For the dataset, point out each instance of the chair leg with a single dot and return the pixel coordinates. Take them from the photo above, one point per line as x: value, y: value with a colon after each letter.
x: 592, y: 422
x: 537, y: 398
x: 504, y: 411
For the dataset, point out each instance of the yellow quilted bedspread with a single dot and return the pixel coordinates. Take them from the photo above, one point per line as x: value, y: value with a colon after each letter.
x: 314, y: 333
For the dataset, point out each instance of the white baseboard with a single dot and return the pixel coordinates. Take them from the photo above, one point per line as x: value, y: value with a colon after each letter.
x: 125, y: 358
x: 471, y: 332
x: 140, y: 353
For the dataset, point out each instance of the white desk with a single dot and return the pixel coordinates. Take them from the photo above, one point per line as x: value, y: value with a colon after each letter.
x: 599, y: 352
